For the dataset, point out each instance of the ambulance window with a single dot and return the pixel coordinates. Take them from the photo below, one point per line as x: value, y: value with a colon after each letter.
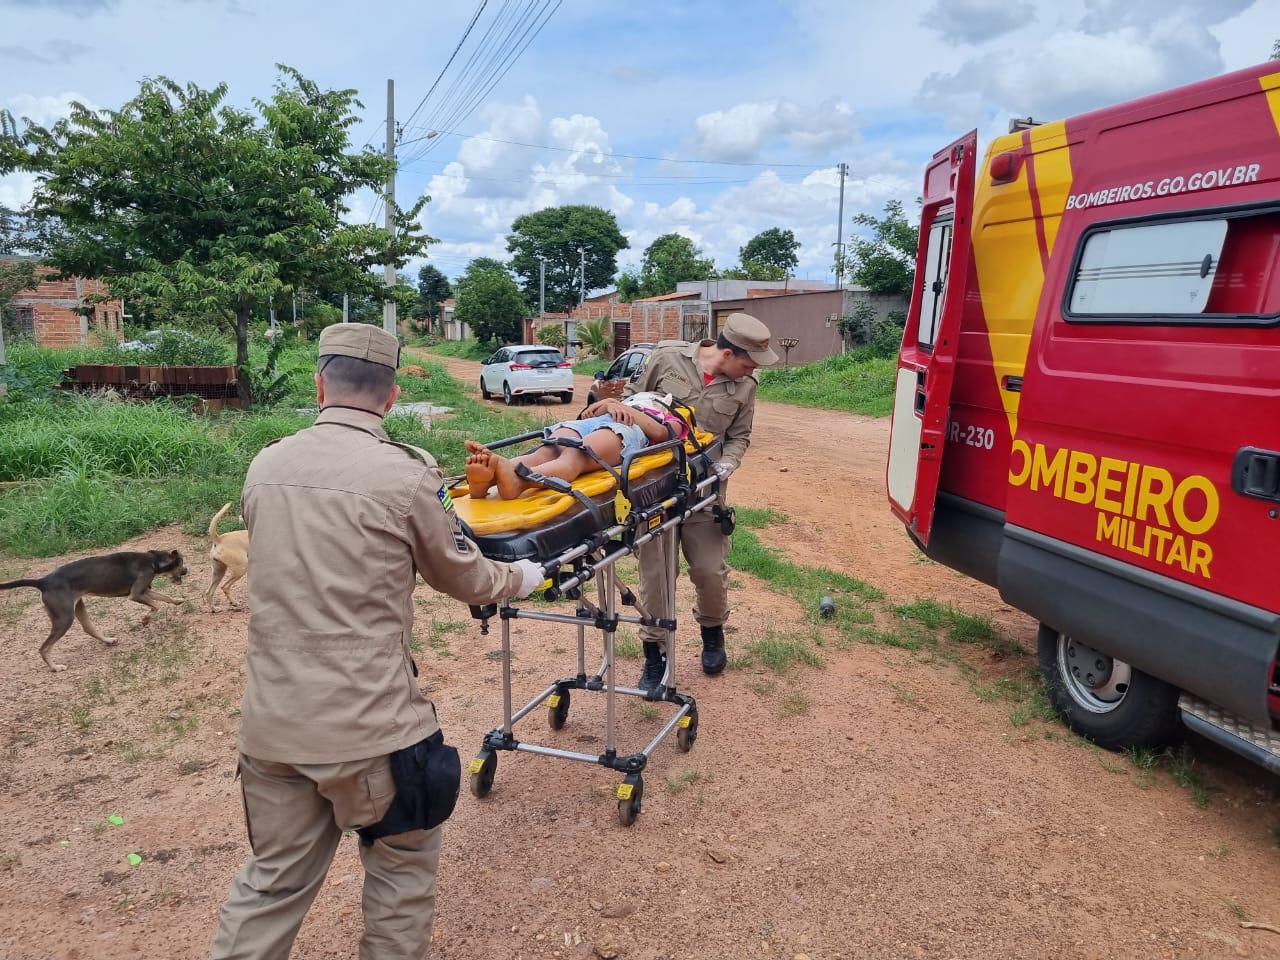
x: 934, y: 279
x: 1222, y: 268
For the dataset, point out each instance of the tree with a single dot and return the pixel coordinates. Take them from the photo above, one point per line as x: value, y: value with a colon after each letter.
x: 489, y: 302
x: 668, y: 260
x: 555, y: 234
x: 181, y: 200
x: 1275, y: 51
x: 433, y: 287
x: 885, y: 263
x: 770, y: 255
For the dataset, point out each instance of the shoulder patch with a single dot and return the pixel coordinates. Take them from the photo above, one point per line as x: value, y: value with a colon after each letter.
x: 445, y: 499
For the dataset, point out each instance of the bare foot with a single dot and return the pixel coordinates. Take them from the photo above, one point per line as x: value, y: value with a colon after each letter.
x: 509, y: 484
x: 479, y: 469
x: 109, y: 641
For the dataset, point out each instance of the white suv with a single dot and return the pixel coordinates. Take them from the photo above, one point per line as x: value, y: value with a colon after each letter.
x: 528, y: 370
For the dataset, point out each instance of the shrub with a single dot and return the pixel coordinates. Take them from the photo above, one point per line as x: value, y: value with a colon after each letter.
x: 553, y: 336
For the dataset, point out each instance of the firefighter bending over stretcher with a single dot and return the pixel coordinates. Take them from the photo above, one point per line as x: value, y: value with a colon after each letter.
x: 609, y: 429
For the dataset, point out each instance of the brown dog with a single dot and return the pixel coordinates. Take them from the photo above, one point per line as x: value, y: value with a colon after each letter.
x: 127, y: 574
x: 230, y: 553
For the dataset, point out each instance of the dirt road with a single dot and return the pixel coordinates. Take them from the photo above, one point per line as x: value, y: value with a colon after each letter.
x: 882, y: 805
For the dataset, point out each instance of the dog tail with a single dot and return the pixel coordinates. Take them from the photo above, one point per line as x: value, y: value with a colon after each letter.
x: 213, y: 524
x: 38, y: 584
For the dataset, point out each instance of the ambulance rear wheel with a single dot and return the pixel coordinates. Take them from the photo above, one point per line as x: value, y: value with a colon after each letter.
x: 1105, y: 699
x: 559, y: 714
x: 483, y: 768
x: 630, y: 793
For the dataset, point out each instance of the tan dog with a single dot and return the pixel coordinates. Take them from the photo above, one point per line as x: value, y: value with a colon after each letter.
x: 230, y: 555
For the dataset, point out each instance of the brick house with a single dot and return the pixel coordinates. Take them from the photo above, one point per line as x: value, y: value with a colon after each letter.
x: 59, y: 313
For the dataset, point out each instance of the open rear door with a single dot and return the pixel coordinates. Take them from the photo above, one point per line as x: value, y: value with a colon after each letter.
x: 927, y: 360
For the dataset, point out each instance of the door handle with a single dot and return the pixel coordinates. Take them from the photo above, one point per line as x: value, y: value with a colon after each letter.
x: 1256, y: 473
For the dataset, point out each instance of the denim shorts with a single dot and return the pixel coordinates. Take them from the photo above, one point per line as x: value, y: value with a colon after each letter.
x: 633, y: 437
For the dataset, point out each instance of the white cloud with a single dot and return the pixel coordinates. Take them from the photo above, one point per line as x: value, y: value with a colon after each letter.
x: 45, y: 109
x: 977, y: 21
x: 741, y: 132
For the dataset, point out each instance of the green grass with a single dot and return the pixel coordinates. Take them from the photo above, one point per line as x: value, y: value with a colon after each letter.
x: 92, y: 473
x: 855, y: 381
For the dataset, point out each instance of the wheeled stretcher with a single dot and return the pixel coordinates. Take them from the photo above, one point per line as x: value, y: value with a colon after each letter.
x: 578, y: 532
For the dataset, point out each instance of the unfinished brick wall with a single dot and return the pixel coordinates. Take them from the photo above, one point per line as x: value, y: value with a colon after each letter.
x: 50, y: 310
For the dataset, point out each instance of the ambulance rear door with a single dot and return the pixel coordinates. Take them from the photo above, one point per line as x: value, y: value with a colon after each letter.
x: 926, y: 361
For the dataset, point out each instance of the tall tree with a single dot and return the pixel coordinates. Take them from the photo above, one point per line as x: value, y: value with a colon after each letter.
x: 770, y: 255
x: 556, y: 234
x: 885, y: 262
x: 489, y: 302
x: 183, y: 200
x: 670, y: 259
x: 433, y: 287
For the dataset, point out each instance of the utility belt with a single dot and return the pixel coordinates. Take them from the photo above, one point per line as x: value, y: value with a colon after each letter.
x: 427, y: 776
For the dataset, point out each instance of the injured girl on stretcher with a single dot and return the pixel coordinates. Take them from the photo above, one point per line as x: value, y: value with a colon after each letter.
x: 608, y: 430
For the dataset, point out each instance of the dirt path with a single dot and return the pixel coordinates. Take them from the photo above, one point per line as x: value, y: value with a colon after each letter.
x: 876, y: 807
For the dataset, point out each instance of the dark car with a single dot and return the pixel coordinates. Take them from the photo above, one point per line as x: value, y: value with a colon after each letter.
x: 610, y: 383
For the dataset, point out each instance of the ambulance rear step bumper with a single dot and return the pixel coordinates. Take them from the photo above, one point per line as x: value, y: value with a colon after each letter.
x: 1259, y: 744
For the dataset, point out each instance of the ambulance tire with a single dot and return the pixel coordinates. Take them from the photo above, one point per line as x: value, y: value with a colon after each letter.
x: 1141, y: 712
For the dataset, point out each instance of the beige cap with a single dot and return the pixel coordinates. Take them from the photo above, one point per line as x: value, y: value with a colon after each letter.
x: 747, y: 333
x: 363, y: 341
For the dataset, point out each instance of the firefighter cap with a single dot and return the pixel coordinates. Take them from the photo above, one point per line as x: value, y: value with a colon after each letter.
x: 363, y: 341
x: 747, y: 333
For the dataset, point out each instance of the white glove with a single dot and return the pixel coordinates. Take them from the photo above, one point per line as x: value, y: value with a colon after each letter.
x: 531, y: 577
x: 722, y: 469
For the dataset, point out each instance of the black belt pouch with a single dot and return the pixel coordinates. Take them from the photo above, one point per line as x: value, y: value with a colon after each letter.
x: 427, y: 776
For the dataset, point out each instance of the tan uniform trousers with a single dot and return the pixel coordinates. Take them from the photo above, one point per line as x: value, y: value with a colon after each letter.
x: 705, y: 548
x: 295, y: 816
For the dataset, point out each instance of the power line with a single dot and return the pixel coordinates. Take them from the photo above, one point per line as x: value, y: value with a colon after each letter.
x: 466, y: 33
x: 466, y: 106
x: 601, y: 153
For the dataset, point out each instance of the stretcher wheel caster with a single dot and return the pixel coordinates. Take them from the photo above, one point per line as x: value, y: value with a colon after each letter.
x: 687, y: 731
x: 483, y: 768
x: 630, y: 792
x: 557, y: 710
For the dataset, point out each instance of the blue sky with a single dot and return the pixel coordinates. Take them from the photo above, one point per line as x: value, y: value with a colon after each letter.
x: 748, y: 105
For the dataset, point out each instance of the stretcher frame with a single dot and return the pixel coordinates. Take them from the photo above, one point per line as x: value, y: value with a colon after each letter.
x: 569, y: 572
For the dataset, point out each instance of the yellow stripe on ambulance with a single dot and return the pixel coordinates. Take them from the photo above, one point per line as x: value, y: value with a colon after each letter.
x: 1141, y: 508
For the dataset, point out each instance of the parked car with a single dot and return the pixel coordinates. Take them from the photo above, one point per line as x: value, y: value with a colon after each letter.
x: 610, y: 383
x: 527, y: 370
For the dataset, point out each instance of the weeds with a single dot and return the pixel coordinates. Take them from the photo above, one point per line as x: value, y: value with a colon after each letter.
x: 683, y: 781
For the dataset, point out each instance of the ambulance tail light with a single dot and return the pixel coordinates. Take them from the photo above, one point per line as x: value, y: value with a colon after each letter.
x: 1005, y: 167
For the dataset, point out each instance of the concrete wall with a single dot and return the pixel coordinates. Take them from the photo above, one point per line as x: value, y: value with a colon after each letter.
x: 812, y: 319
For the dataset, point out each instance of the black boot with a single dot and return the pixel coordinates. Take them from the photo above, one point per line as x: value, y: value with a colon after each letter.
x: 713, y: 658
x: 655, y: 668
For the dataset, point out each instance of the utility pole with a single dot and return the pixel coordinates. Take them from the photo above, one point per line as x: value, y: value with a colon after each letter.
x: 582, y: 276
x: 844, y: 168
x: 346, y: 309
x: 389, y: 276
x: 542, y: 287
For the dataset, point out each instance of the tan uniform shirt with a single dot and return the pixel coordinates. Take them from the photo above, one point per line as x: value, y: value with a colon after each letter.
x: 339, y: 520
x: 723, y: 407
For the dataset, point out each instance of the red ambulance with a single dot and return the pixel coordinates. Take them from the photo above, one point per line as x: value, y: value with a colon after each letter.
x: 1087, y: 407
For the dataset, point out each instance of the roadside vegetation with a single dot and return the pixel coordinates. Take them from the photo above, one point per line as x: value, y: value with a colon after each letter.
x: 93, y: 471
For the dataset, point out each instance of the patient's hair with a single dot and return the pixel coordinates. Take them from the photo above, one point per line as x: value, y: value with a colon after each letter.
x: 349, y: 378
x: 723, y: 344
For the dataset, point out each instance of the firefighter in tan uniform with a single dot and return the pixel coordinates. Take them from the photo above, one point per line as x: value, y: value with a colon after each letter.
x: 335, y: 733
x: 717, y: 379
